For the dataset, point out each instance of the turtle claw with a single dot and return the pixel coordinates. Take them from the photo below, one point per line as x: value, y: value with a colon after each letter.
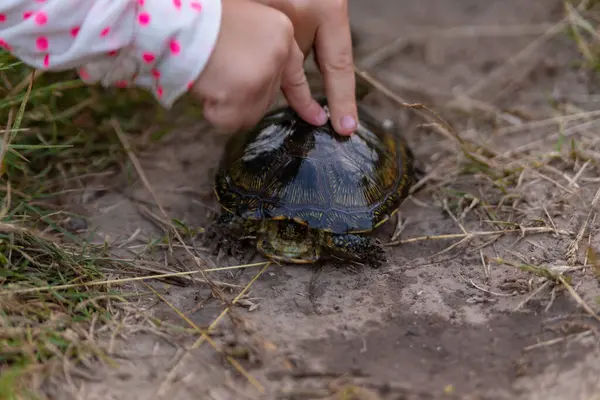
x: 375, y: 255
x: 220, y: 238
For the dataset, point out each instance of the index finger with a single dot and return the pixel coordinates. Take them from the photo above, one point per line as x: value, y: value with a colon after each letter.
x: 334, y: 54
x: 296, y: 90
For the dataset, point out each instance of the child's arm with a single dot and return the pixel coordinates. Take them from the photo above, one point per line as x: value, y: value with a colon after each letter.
x: 160, y: 45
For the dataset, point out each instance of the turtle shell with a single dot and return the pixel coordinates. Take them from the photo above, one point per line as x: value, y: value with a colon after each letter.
x: 285, y: 168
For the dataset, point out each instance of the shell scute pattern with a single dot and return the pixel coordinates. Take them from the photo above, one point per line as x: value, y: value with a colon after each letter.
x: 286, y: 168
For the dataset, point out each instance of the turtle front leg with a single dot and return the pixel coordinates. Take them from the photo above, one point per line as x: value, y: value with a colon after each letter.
x: 224, y: 234
x: 218, y: 232
x: 357, y: 248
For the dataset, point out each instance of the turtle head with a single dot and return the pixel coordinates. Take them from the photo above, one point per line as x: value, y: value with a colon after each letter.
x: 288, y: 241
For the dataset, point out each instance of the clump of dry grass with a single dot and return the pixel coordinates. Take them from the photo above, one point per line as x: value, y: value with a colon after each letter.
x: 41, y: 327
x: 55, y: 131
x: 583, y: 22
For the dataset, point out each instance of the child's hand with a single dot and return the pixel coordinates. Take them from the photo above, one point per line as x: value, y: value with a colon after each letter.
x: 165, y: 47
x: 254, y: 56
x: 324, y: 25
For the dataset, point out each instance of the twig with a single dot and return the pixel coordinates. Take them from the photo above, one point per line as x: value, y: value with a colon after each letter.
x: 416, y: 107
x: 532, y: 295
x: 502, y: 70
x: 206, y: 337
x: 387, y: 50
x: 551, y: 342
x: 125, y: 280
x: 522, y: 231
x: 574, y: 245
x: 472, y: 283
x: 171, y: 374
x: 188, y: 277
x: 578, y: 298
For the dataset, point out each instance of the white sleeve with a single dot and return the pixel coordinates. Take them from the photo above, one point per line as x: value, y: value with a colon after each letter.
x: 159, y: 45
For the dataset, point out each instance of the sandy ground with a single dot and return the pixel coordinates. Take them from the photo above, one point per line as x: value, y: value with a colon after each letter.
x: 426, y: 325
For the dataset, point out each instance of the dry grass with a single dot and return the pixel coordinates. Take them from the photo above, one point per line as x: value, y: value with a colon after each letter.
x: 58, y: 293
x: 564, y: 154
x: 502, y: 178
x: 56, y: 135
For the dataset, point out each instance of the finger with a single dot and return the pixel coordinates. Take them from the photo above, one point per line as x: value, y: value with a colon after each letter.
x: 296, y: 90
x: 302, y: 15
x: 334, y: 55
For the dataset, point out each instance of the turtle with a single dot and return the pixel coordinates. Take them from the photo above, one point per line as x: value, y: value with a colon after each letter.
x: 306, y: 193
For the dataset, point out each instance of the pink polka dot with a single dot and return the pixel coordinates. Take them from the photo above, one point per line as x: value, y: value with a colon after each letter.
x: 2, y: 17
x: 41, y: 18
x: 177, y: 4
x: 144, y: 18
x: 40, y: 1
x: 196, y: 5
x: 42, y: 43
x: 141, y: 3
x: 47, y: 60
x: 190, y: 85
x: 121, y: 84
x: 74, y: 31
x: 148, y: 57
x: 175, y: 46
x: 159, y: 91
x: 83, y: 74
x: 27, y: 14
x: 105, y: 32
x: 155, y: 73
x: 5, y: 45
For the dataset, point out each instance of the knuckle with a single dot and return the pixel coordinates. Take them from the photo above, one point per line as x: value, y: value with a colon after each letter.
x: 295, y: 80
x: 337, y: 5
x: 285, y: 37
x: 302, y: 10
x: 342, y: 61
x: 283, y: 24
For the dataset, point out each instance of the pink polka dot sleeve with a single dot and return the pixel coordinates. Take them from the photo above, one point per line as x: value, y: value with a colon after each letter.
x: 159, y: 45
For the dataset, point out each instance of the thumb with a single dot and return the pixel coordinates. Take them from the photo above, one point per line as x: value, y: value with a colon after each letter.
x: 296, y: 90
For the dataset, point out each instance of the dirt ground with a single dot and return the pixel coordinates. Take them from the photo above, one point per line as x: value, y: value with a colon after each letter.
x: 433, y: 322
